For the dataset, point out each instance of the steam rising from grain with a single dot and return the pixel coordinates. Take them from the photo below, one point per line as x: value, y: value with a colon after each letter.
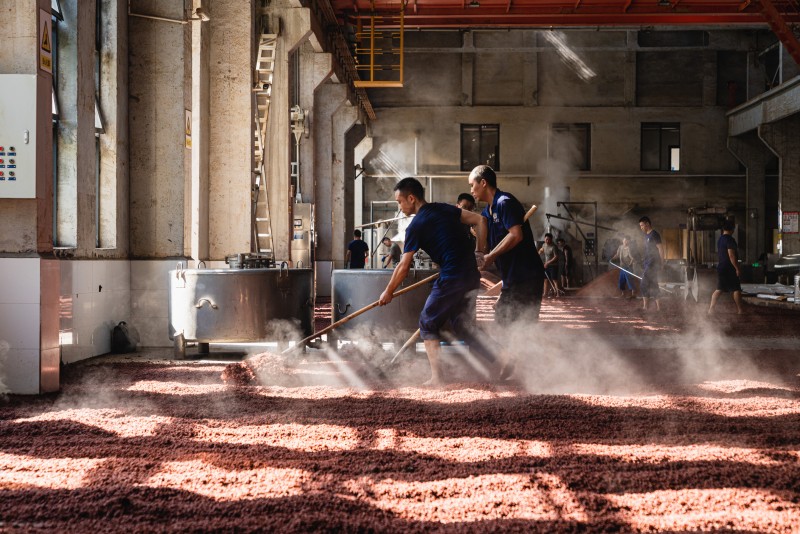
x: 4, y: 390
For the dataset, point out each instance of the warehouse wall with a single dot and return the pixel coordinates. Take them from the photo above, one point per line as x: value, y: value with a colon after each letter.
x: 615, y: 81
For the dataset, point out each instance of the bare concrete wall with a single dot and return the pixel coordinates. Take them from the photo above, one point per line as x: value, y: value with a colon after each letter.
x: 684, y: 84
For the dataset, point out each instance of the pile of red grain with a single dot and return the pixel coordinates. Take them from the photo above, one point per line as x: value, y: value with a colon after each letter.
x: 166, y: 446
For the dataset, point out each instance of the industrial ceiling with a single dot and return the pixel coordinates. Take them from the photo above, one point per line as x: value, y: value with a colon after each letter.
x: 345, y: 17
x: 560, y: 13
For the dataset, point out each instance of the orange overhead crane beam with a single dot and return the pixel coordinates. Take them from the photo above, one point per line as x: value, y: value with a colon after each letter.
x: 536, y: 13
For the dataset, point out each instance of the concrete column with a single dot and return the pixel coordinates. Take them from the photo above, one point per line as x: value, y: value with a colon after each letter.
x: 114, y: 178
x: 341, y: 174
x: 467, y: 70
x: 315, y: 69
x: 230, y: 135
x: 158, y: 101
x: 198, y: 208
x: 76, y: 137
x: 630, y: 69
x: 328, y: 99
x: 783, y: 139
x: 751, y: 152
x: 295, y: 28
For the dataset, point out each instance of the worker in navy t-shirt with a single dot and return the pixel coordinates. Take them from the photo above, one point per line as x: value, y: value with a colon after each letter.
x: 514, y: 252
x: 653, y: 258
x: 357, y: 252
x: 728, y: 272
x: 438, y: 230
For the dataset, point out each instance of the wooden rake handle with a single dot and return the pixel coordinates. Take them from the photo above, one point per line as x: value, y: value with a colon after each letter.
x: 356, y: 313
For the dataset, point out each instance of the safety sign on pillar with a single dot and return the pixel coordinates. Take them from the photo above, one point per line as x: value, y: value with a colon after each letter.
x: 45, y: 41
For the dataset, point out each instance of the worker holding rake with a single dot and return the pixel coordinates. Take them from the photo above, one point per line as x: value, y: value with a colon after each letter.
x: 438, y: 230
x: 513, y: 249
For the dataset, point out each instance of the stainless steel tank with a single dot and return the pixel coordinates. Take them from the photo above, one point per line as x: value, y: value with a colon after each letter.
x: 352, y: 289
x: 237, y: 305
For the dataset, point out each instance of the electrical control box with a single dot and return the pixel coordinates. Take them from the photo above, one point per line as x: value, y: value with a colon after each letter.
x: 17, y: 136
x: 302, y: 234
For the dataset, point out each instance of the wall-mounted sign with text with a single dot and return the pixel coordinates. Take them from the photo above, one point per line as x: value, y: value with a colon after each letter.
x: 791, y: 222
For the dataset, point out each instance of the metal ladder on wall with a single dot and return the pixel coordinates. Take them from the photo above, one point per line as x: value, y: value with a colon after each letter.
x: 264, y: 68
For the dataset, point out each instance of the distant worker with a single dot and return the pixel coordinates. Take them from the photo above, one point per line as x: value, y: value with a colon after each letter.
x: 653, y: 259
x: 357, y: 252
x: 549, y: 254
x: 392, y: 257
x: 625, y: 259
x: 514, y: 250
x: 728, y: 273
x: 438, y: 230
x: 566, y: 263
x: 467, y: 202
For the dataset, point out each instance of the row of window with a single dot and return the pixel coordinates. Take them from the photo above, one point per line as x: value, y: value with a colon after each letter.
x: 572, y: 144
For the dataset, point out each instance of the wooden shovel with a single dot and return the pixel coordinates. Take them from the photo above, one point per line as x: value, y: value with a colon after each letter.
x: 356, y: 313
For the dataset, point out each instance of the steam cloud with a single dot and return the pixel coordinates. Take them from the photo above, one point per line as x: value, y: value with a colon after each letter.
x: 4, y: 390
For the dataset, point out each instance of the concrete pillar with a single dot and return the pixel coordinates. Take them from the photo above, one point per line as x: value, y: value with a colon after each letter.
x: 198, y: 207
x: 751, y: 152
x: 77, y: 154
x: 342, y: 174
x: 295, y: 28
x: 158, y: 100
x: 630, y: 69
x: 114, y: 178
x: 467, y: 69
x: 530, y: 72
x: 783, y: 139
x: 315, y: 69
x: 328, y: 99
x: 230, y: 139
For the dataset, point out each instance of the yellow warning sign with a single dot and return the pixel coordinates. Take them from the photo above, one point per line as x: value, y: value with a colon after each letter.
x: 45, y: 41
x: 188, y: 122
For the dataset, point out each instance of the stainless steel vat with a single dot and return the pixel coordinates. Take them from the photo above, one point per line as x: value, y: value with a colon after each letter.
x: 352, y: 289
x: 237, y: 305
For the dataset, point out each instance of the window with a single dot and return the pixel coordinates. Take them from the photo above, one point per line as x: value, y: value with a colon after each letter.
x: 480, y: 145
x: 55, y: 10
x: 571, y: 144
x: 661, y: 146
